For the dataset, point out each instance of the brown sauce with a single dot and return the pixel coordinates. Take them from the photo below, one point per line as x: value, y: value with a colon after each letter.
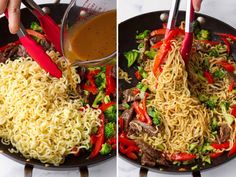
x: 93, y: 39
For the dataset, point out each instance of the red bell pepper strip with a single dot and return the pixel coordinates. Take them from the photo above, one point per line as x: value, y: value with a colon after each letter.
x: 230, y: 36
x: 100, y: 138
x: 139, y: 111
x: 91, y: 75
x: 136, y: 91
x: 213, y: 43
x: 220, y: 146
x: 160, y: 56
x: 157, y: 45
x: 35, y: 34
x: 125, y: 141
x: 132, y: 149
x: 110, y: 82
x: 231, y: 86
x: 209, y: 77
x: 93, y: 139
x: 3, y: 48
x: 161, y: 31
x: 182, y: 157
x: 105, y: 106
x: 164, y: 49
x: 233, y: 111
x: 148, y: 119
x: 226, y: 65
x: 132, y: 156
x: 215, y: 154
x: 138, y: 75
x: 233, y: 150
x: 90, y: 88
x: 227, y: 43
x: 112, y: 142
x: 122, y: 148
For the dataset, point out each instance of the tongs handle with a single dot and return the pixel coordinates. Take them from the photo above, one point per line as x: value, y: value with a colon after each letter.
x: 173, y: 15
x: 50, y: 28
x: 188, y: 37
x: 37, y: 52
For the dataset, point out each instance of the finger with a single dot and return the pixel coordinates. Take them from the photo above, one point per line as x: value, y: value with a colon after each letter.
x: 3, y: 6
x: 197, y: 4
x: 14, y: 15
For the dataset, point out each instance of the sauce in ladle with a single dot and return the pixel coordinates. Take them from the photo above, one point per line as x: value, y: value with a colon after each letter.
x: 93, y: 39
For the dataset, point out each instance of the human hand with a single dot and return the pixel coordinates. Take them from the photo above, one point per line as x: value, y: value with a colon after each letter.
x: 197, y: 4
x: 13, y: 7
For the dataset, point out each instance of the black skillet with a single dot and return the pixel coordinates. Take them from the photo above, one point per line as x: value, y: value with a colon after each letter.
x: 127, y: 31
x: 56, y: 11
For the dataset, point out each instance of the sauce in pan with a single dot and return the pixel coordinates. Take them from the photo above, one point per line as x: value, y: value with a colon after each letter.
x: 93, y: 39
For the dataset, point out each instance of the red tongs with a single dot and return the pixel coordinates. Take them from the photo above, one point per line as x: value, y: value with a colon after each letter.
x: 189, y: 18
x: 37, y: 52
x: 50, y: 28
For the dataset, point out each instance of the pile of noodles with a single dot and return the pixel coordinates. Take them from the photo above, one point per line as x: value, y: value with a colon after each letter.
x: 184, y: 119
x: 41, y: 116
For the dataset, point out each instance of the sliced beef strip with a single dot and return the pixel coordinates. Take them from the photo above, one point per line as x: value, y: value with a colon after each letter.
x: 3, y: 59
x: 146, y: 160
x: 224, y: 133
x: 151, y: 154
x: 127, y: 117
x: 130, y: 96
x: 11, y: 51
x: 137, y: 127
x: 21, y: 51
x: 203, y: 48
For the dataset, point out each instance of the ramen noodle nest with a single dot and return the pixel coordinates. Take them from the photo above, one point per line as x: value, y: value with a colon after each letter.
x: 41, y: 116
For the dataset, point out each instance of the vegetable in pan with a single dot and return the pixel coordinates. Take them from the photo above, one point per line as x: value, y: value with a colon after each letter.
x: 64, y: 116
x: 179, y: 113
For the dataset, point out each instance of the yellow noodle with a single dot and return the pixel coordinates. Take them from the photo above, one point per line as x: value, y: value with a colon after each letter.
x: 40, y: 115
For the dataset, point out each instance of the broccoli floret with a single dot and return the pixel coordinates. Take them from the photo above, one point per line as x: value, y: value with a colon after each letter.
x: 211, y: 103
x: 203, y: 34
x: 106, y: 149
x: 200, y: 76
x: 142, y: 72
x: 100, y: 80
x: 110, y: 113
x: 202, y: 98
x: 219, y: 74
x: 110, y: 130
x: 206, y: 148
x: 98, y: 99
x: 131, y: 57
x: 228, y: 117
x: 150, y: 54
x: 214, y: 53
x: 155, y: 114
x: 143, y: 34
x: 214, y: 124
x: 36, y: 27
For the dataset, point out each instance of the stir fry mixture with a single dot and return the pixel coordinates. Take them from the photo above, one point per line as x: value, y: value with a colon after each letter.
x: 180, y: 112
x: 95, y: 93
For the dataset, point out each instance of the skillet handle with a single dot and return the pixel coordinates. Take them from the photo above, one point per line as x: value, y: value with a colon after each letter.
x: 84, y: 172
x: 196, y: 174
x: 143, y: 172
x: 28, y: 170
